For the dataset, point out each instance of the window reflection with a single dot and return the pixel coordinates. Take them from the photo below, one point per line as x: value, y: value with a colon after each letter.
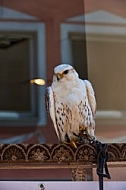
x: 106, y: 46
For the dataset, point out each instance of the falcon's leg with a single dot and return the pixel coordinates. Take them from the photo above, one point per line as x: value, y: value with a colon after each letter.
x: 90, y: 132
x: 86, y: 134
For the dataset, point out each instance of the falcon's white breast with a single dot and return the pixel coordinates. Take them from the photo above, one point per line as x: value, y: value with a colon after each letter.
x: 71, y: 103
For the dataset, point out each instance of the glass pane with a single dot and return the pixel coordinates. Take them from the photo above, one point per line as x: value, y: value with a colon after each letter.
x: 79, y: 55
x: 14, y: 64
x: 106, y: 61
x: 106, y: 46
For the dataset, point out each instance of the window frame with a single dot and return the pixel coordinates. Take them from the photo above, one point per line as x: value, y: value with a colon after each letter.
x: 38, y: 116
x: 65, y: 46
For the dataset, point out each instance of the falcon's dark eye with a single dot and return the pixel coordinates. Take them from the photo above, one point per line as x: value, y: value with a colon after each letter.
x: 65, y: 72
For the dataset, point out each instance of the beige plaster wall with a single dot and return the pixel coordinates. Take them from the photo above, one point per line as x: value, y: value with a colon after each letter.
x: 107, y: 70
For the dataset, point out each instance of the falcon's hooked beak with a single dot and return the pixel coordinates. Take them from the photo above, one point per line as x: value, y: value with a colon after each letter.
x: 59, y: 76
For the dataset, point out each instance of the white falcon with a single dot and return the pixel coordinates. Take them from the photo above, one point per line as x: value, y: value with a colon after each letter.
x: 71, y: 103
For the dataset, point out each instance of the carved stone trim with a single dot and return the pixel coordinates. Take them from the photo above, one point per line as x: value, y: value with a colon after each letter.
x: 57, y: 153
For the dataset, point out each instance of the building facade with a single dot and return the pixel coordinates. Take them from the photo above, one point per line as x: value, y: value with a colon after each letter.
x: 35, y: 36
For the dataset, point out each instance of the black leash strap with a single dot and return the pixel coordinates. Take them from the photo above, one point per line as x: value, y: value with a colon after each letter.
x: 102, y: 158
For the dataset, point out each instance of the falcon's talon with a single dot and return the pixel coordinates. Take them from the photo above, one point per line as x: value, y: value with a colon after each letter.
x: 73, y: 143
x: 65, y: 142
x: 82, y: 128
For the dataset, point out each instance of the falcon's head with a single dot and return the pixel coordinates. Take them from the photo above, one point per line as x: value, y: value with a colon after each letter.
x: 64, y: 72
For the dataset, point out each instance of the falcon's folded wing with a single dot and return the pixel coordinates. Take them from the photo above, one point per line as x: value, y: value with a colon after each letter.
x: 91, y: 96
x: 50, y: 105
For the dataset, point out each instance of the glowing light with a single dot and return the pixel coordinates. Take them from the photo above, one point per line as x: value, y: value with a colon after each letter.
x: 40, y: 82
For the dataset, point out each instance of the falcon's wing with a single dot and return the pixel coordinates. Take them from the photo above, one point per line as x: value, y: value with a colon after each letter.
x: 50, y: 106
x: 91, y: 96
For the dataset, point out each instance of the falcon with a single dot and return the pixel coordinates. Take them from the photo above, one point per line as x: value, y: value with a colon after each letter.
x: 71, y: 104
